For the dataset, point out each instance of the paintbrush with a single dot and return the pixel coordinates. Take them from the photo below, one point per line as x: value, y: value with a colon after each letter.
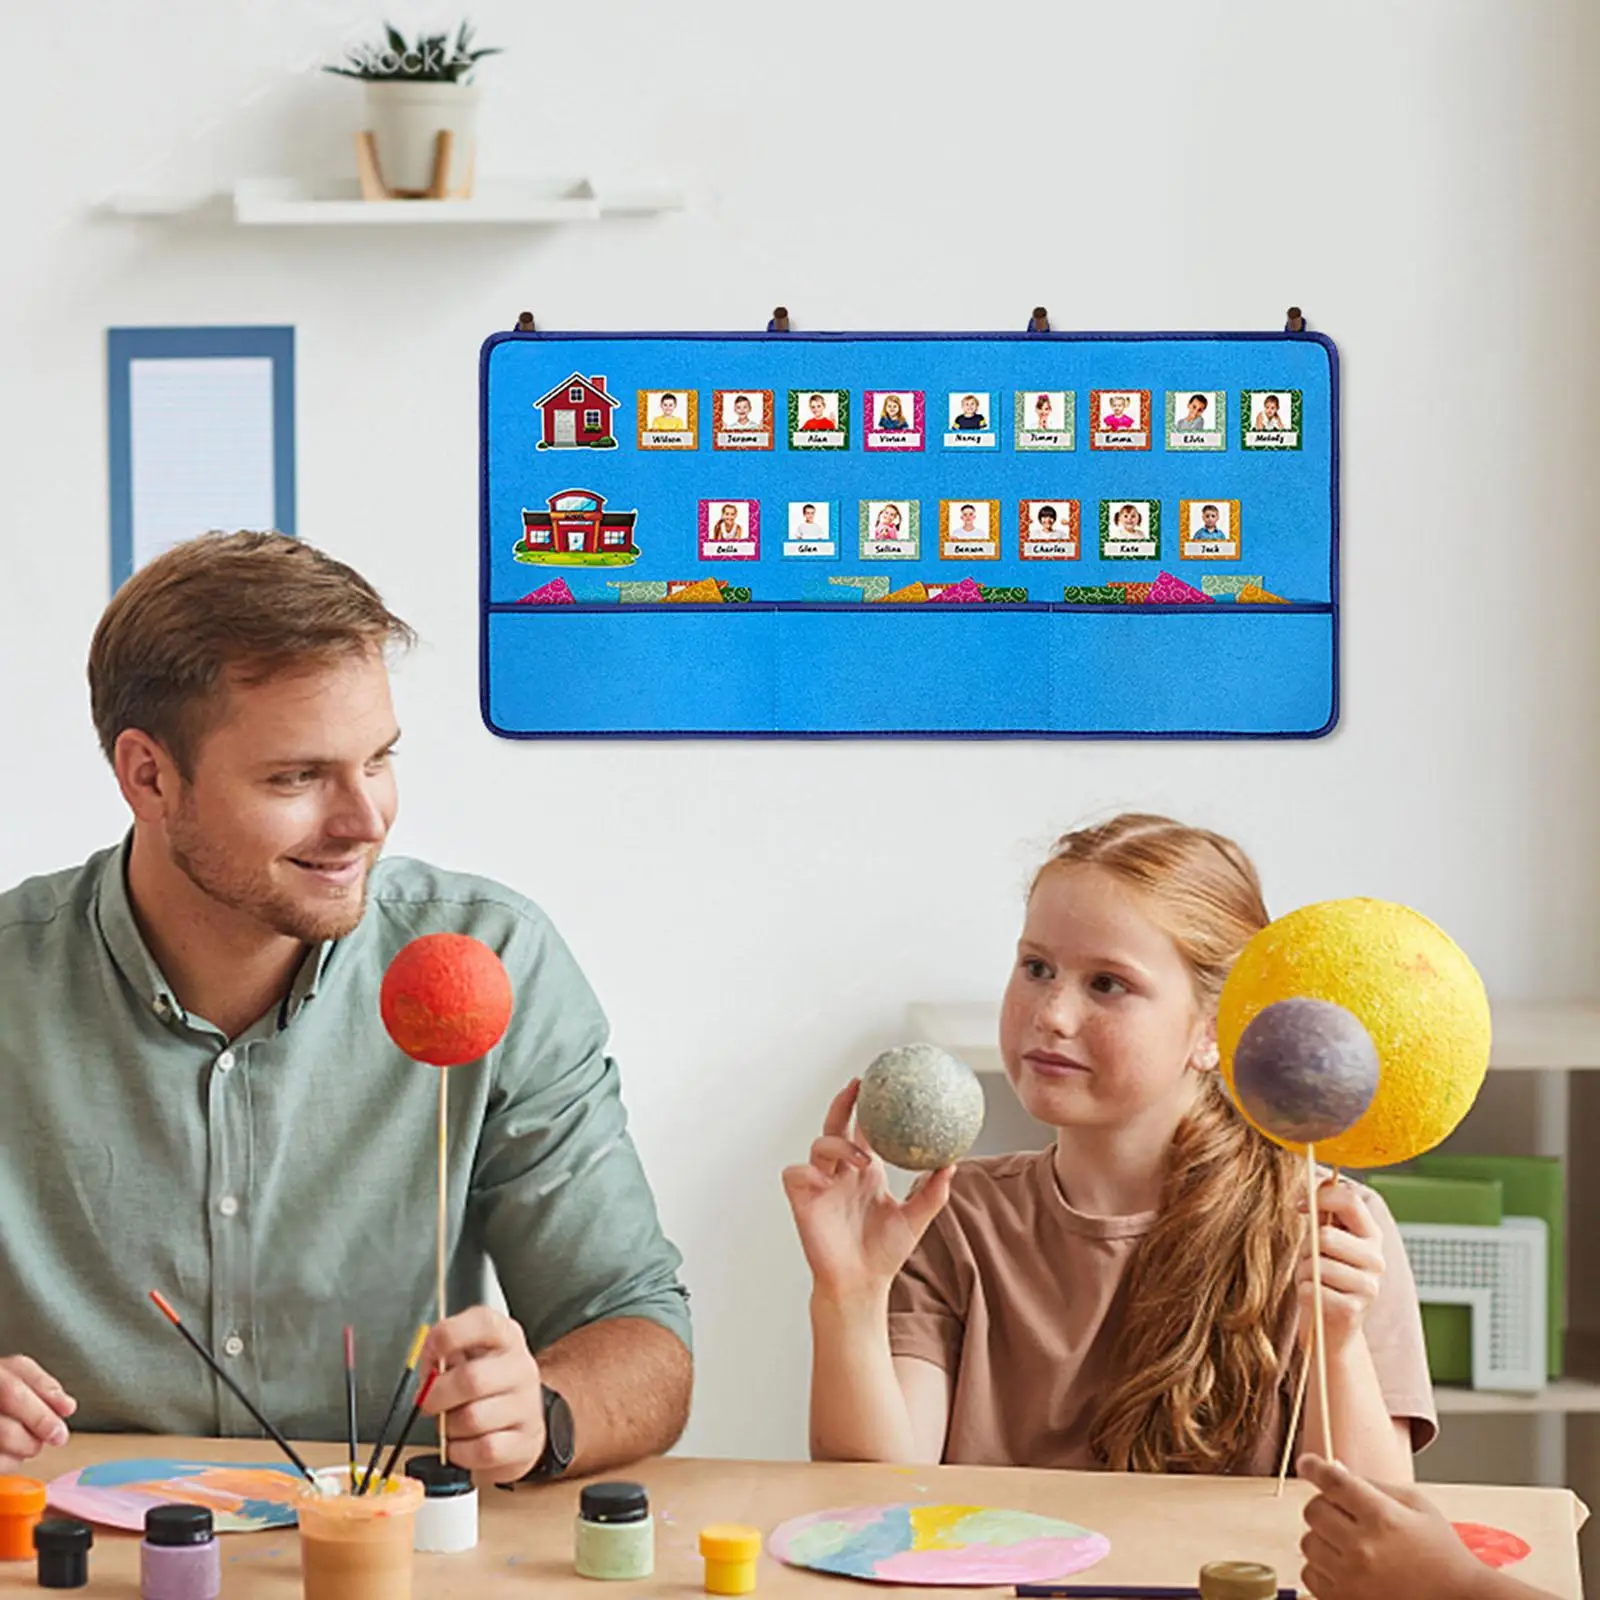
x: 394, y: 1406
x: 411, y: 1422
x: 350, y: 1394
x: 244, y: 1399
x: 1119, y: 1591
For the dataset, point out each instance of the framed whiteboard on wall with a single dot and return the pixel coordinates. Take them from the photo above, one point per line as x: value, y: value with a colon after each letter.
x: 201, y: 436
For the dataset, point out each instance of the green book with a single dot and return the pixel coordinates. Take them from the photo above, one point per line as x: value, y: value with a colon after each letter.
x: 1472, y: 1200
x: 1533, y: 1186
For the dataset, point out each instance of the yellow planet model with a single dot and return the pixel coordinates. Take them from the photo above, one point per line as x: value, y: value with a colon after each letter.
x: 1412, y: 988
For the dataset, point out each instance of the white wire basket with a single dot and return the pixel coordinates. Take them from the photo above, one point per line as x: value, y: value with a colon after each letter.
x: 1500, y: 1273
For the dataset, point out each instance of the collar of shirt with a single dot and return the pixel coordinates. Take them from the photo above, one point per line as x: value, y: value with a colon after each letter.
x: 119, y: 928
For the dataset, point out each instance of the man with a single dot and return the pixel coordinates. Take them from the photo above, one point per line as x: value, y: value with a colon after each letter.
x: 200, y: 1097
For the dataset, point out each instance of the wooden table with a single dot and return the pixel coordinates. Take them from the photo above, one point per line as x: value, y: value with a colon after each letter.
x: 1161, y: 1529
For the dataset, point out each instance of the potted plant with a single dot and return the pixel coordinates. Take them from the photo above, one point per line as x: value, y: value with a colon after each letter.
x: 422, y: 111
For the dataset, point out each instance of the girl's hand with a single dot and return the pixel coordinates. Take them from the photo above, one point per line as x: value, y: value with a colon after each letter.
x: 1352, y: 1265
x: 855, y: 1234
x: 1364, y: 1539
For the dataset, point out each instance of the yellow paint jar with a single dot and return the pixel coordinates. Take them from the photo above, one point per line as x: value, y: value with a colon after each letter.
x: 731, y: 1551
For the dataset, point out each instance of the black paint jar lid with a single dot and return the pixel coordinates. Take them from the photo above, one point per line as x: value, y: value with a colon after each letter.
x: 63, y: 1546
x: 614, y: 1502
x: 440, y: 1480
x: 178, y: 1525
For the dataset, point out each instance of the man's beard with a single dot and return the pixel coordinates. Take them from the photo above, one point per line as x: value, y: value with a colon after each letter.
x: 254, y: 894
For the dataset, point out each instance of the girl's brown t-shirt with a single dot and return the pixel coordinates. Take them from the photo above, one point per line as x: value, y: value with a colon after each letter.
x: 1021, y: 1300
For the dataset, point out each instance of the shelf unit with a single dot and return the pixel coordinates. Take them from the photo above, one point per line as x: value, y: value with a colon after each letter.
x: 290, y: 202
x: 1546, y: 1039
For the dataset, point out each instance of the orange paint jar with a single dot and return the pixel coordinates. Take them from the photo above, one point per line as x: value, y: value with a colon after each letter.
x: 21, y: 1507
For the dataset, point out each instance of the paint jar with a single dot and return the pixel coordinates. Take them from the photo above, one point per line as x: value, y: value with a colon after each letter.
x: 1238, y: 1580
x: 180, y: 1558
x: 447, y: 1522
x: 731, y: 1550
x: 614, y: 1536
x: 63, y: 1546
x: 357, y: 1547
x: 21, y: 1506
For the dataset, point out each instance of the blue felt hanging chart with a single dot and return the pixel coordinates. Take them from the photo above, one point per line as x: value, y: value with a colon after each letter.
x: 938, y: 535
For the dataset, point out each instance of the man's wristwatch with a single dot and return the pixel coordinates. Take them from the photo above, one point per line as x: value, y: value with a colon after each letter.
x: 558, y: 1439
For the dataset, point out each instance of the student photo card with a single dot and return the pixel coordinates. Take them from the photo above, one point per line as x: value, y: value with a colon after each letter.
x: 1045, y: 419
x: 894, y: 419
x: 1049, y: 530
x: 1209, y: 530
x: 730, y: 530
x: 1269, y: 419
x: 819, y: 419
x: 1119, y: 419
x: 890, y: 530
x: 742, y: 419
x: 1130, y: 530
x: 669, y: 419
x: 969, y: 420
x: 1197, y: 419
x: 811, y: 535
x: 969, y: 530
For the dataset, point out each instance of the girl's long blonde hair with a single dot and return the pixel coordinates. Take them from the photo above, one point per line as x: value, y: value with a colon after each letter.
x: 1198, y: 1372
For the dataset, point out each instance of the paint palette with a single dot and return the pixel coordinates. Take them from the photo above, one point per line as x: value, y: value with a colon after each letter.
x: 938, y: 1545
x: 243, y: 1497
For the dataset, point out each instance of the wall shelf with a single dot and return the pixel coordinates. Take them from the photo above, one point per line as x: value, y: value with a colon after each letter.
x: 291, y: 202
x: 1529, y: 1036
x: 1565, y: 1397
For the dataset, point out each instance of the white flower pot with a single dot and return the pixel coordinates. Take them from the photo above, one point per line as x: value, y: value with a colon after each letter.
x: 405, y: 120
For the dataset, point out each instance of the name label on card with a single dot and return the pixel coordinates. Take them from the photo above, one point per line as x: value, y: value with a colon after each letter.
x: 1195, y: 441
x: 667, y: 441
x: 970, y: 441
x: 1049, y: 550
x: 1272, y: 439
x: 894, y: 441
x: 807, y: 547
x: 1044, y: 441
x: 818, y: 439
x: 1129, y: 549
x: 743, y: 439
x: 1129, y: 440
x: 728, y: 550
x: 892, y: 549
x: 1210, y: 547
x: 970, y: 550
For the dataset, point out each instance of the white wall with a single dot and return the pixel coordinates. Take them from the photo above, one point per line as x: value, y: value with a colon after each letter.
x: 756, y: 916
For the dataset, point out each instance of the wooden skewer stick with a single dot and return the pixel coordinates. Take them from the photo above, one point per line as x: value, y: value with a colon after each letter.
x: 1299, y: 1394
x: 444, y: 1206
x: 1294, y: 1421
x: 1316, y: 1295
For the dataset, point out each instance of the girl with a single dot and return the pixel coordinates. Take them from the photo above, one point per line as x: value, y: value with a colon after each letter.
x: 887, y: 526
x: 1043, y: 407
x: 891, y: 416
x: 1116, y: 418
x: 1130, y: 1297
x: 1268, y: 419
x: 1129, y: 521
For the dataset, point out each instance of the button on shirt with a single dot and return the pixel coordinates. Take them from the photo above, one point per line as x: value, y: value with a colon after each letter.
x: 280, y: 1184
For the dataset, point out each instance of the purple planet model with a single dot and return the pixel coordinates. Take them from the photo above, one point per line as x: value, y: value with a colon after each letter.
x: 1305, y: 1070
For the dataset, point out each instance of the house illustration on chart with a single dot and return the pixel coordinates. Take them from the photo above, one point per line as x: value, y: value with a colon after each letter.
x: 577, y: 415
